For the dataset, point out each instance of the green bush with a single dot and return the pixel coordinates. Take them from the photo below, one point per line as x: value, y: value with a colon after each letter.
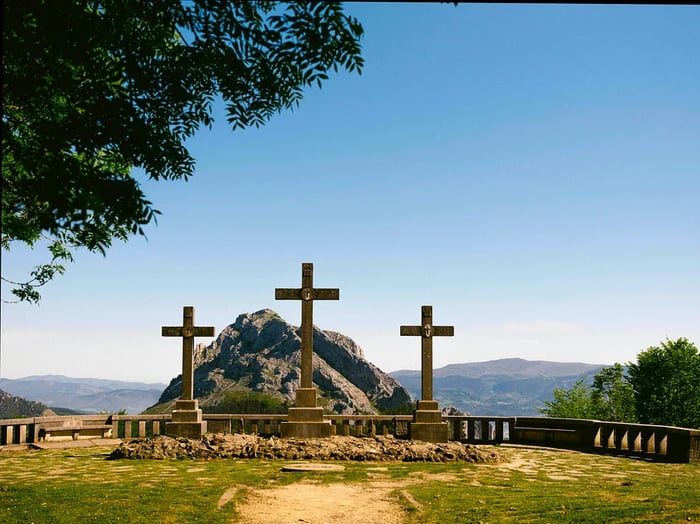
x: 248, y: 402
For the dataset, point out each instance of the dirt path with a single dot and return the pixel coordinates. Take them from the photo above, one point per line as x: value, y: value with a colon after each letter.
x: 313, y: 503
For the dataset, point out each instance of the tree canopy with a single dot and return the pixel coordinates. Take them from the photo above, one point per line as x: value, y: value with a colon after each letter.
x: 612, y: 395
x: 95, y: 88
x: 666, y: 383
x: 662, y: 387
x: 609, y: 397
x: 574, y: 402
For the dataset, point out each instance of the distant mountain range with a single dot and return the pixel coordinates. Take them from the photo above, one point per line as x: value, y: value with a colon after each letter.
x: 89, y: 395
x: 504, y: 387
x: 511, y: 386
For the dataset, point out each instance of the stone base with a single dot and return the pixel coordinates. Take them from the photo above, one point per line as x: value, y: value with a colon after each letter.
x: 305, y: 398
x: 427, y: 423
x: 193, y: 430
x: 305, y: 429
x: 187, y: 420
x: 305, y: 423
x: 428, y: 432
x: 427, y: 405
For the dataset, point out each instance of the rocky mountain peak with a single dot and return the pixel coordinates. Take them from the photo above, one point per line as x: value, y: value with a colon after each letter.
x: 261, y: 352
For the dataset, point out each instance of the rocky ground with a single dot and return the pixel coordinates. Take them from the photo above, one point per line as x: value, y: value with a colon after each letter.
x: 379, y: 449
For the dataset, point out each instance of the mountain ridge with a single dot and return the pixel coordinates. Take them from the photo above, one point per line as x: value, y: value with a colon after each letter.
x: 90, y: 395
x: 503, y: 387
x: 512, y: 365
x: 510, y: 386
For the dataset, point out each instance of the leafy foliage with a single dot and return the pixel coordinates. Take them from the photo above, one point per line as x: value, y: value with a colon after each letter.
x: 662, y: 387
x: 666, y: 384
x: 248, y: 402
x: 95, y: 88
x: 608, y: 398
x: 575, y: 402
x: 613, y: 396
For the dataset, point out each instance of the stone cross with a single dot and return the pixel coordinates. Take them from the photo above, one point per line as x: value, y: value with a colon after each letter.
x: 307, y: 294
x: 188, y: 331
x: 427, y: 331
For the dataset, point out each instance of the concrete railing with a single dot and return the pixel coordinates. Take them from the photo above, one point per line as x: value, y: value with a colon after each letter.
x: 132, y: 426
x: 480, y: 430
x: 663, y: 443
x: 36, y: 429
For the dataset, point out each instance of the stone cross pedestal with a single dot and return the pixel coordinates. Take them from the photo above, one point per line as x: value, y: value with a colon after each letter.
x: 427, y: 422
x: 305, y: 419
x: 187, y: 417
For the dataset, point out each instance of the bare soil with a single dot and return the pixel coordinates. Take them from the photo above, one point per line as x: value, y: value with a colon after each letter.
x: 312, y: 503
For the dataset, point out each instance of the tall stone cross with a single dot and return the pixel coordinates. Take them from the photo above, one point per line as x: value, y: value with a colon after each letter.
x: 427, y: 331
x: 188, y: 331
x: 307, y: 294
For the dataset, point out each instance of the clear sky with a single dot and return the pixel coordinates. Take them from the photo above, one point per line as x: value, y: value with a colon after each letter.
x: 530, y: 171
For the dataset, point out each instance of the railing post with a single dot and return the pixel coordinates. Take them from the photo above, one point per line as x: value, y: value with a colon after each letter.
x: 499, y: 431
x: 457, y: 429
x: 662, y: 445
x: 156, y: 427
x: 622, y: 440
x: 637, y: 442
x: 598, y: 438
x: 8, y: 435
x: 649, y: 442
x: 471, y: 429
x: 611, y: 439
x: 142, y: 428
x: 484, y: 430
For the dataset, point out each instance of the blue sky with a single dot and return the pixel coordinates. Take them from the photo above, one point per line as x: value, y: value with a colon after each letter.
x: 531, y: 171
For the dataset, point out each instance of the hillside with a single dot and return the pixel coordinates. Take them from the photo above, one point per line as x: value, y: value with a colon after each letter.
x: 257, y: 358
x: 512, y: 386
x: 18, y: 407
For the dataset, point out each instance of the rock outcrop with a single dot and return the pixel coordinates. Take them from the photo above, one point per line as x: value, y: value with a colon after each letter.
x: 380, y: 449
x: 260, y: 352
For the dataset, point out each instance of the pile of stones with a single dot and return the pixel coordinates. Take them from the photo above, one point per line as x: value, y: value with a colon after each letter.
x: 378, y: 449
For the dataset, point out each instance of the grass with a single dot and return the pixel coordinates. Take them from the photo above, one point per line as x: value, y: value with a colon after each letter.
x: 534, y: 485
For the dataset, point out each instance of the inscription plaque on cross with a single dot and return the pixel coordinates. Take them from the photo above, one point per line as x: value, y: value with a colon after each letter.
x: 187, y: 417
x: 427, y: 422
x: 305, y: 419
